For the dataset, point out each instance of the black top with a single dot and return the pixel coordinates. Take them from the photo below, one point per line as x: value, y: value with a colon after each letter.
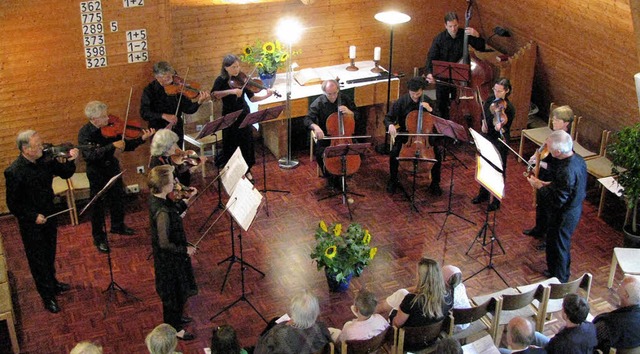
x: 575, y: 340
x: 416, y: 316
x: 510, y: 111
x: 231, y: 103
x: 321, y: 108
x: 29, y: 190
x: 619, y: 328
x: 402, y: 107
x: 155, y: 102
x: 445, y: 48
x: 101, y: 160
x: 568, y: 186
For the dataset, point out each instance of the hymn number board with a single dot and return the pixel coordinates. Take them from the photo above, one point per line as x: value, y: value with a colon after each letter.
x: 93, y: 32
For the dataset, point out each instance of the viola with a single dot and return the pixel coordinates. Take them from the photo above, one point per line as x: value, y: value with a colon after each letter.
x: 339, y: 125
x: 190, y: 90
x: 418, y: 146
x: 186, y: 157
x: 116, y: 128
x: 241, y: 81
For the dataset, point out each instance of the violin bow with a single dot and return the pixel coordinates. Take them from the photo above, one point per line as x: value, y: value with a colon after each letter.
x: 184, y: 82
x: 126, y: 116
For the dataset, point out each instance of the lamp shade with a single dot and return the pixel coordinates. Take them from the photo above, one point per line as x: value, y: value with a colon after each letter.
x: 392, y: 17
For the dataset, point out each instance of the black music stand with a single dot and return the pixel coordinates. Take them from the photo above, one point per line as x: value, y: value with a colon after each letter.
x: 342, y: 151
x: 113, y: 286
x: 416, y: 160
x: 209, y: 129
x: 264, y: 116
x: 448, y: 72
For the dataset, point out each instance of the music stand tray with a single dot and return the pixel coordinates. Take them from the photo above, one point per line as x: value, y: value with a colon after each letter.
x: 445, y: 70
x: 218, y: 124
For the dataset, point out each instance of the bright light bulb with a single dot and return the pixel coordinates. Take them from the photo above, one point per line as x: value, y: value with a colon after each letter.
x: 289, y: 30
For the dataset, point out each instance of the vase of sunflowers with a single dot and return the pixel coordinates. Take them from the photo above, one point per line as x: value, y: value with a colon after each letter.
x: 342, y: 253
x: 268, y: 57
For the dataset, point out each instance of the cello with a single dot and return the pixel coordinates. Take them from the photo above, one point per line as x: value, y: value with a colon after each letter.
x: 417, y: 145
x: 466, y: 109
x: 341, y: 125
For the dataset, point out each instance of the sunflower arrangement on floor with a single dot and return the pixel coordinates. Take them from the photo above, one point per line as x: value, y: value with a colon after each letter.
x: 267, y: 56
x: 342, y: 252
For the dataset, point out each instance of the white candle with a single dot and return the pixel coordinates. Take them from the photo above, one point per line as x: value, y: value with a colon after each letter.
x: 376, y: 53
x: 352, y: 52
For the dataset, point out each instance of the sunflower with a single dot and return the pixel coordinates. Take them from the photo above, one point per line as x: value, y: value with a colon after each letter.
x: 268, y: 47
x: 259, y: 64
x: 372, y: 252
x: 331, y: 252
x: 284, y: 57
x: 366, y: 238
x: 247, y: 51
x: 337, y: 230
x: 323, y: 226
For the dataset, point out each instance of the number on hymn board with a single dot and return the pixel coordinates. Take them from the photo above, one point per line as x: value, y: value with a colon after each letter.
x: 138, y: 57
x: 132, y: 3
x: 90, y: 6
x: 93, y: 63
x: 93, y: 40
x: 93, y: 28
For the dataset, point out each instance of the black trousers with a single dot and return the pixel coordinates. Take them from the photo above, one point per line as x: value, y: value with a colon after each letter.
x: 113, y: 198
x: 563, y: 224
x: 40, y: 243
x: 233, y: 137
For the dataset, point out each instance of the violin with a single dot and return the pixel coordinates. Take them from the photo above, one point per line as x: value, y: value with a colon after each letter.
x: 189, y: 90
x: 180, y: 192
x: 116, y: 128
x: 186, y: 157
x: 418, y: 146
x: 241, y: 81
x: 497, y: 108
x: 338, y: 125
x: 62, y: 150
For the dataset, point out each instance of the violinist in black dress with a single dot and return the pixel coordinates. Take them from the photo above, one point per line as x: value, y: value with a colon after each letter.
x: 233, y: 100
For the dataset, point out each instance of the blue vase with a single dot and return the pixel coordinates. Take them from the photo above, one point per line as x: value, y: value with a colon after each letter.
x: 334, y: 285
x: 268, y: 79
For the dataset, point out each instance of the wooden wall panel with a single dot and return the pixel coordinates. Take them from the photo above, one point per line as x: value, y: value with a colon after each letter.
x: 586, y: 58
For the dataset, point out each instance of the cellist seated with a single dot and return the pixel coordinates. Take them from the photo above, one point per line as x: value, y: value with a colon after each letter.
x: 320, y: 109
x: 397, y: 116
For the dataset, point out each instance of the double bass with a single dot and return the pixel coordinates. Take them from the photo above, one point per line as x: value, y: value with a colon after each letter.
x: 417, y: 146
x: 466, y: 109
x: 341, y: 125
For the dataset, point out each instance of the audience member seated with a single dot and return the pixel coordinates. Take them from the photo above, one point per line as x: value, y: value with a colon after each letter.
x: 460, y: 298
x: 225, y: 341
x: 367, y: 323
x: 621, y: 328
x: 448, y: 346
x: 162, y: 340
x: 301, y: 334
x: 425, y: 304
x: 86, y: 347
x: 578, y: 336
x: 522, y: 338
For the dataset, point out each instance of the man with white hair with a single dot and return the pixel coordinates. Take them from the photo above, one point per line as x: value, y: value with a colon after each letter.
x: 621, y: 328
x: 564, y: 195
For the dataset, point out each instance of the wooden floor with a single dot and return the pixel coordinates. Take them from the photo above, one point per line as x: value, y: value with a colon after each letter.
x: 279, y: 244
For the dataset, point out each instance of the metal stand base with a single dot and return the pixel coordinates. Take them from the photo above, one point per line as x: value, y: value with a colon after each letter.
x: 287, y: 163
x: 449, y: 211
x: 481, y: 238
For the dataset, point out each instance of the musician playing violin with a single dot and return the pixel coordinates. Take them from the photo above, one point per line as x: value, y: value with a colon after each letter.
x: 320, y: 109
x: 499, y: 113
x: 101, y: 166
x: 448, y: 46
x: 233, y: 100
x: 561, y: 119
x: 159, y: 108
x: 397, y: 116
x: 163, y: 146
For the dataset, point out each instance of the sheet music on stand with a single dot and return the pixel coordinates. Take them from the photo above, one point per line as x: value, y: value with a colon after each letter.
x: 489, y: 165
x: 244, y: 203
x: 102, y: 191
x: 233, y: 171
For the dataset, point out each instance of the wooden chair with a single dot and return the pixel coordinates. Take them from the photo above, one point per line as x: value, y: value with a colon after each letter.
x: 477, y: 318
x: 7, y: 312
x: 539, y: 135
x: 423, y: 338
x: 62, y: 188
x: 372, y: 345
x: 201, y: 117
x: 600, y: 166
x: 517, y: 305
x: 577, y: 147
x: 635, y: 350
x: 629, y: 261
x: 556, y: 293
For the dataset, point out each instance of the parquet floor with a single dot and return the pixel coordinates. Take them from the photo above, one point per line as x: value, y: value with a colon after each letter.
x: 279, y: 245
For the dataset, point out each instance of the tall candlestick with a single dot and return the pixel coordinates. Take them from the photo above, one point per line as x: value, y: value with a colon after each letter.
x: 376, y: 53
x: 352, y: 52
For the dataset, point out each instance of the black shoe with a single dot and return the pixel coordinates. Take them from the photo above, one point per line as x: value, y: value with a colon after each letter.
x: 102, y: 247
x: 532, y: 232
x: 493, y: 206
x: 185, y: 319
x: 392, y: 185
x: 187, y: 336
x: 51, y: 305
x: 542, y: 246
x: 125, y: 230
x: 62, y: 287
x: 435, y: 189
x: 479, y: 199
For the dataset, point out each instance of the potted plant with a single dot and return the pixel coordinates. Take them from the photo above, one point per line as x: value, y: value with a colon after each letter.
x: 624, y: 152
x: 268, y: 57
x: 342, y: 253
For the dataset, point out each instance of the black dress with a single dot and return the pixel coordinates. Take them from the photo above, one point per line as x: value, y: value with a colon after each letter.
x: 175, y: 281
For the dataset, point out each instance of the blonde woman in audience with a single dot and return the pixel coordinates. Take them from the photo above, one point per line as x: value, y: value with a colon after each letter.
x: 162, y: 340
x: 86, y: 347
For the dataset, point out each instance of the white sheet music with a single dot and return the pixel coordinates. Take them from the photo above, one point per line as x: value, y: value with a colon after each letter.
x: 233, y: 171
x: 487, y: 149
x: 611, y: 183
x: 244, y: 203
x: 483, y: 345
x: 489, y: 177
